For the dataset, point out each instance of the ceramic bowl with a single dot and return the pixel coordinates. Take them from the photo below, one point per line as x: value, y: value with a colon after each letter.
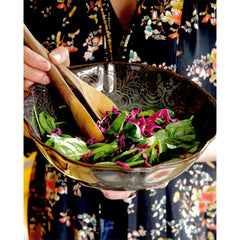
x: 129, y: 86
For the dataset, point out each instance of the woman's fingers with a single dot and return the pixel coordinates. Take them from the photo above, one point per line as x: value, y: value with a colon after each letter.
x: 60, y: 55
x: 162, y: 185
x: 115, y: 195
x: 35, y: 61
x: 124, y: 195
x: 35, y: 69
x: 159, y: 186
x: 36, y: 66
x: 35, y: 75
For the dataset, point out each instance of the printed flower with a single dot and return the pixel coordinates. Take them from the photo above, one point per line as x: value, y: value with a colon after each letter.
x: 148, y: 31
x: 195, y: 194
x: 92, y: 5
x: 93, y: 42
x: 72, y: 49
x: 194, y: 211
x: 133, y: 57
x: 208, y: 196
x: 51, y: 179
x: 198, y: 202
x: 209, y: 14
x: 36, y: 232
x: 177, y: 17
x: 177, y: 4
x: 88, y: 55
x: 206, y: 18
x: 176, y: 197
x: 62, y: 189
x: 204, y: 68
x: 77, y: 189
x: 61, y: 6
x: 65, y: 219
x: 213, y: 59
x: 172, y: 17
x: 213, y: 22
x: 141, y: 231
x: 167, y: 17
x: 88, y: 222
x: 158, y: 209
x: 80, y: 234
x: 174, y: 35
x: 135, y: 233
x: 171, y: 67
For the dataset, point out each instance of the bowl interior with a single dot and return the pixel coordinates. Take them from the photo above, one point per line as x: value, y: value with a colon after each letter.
x: 130, y: 86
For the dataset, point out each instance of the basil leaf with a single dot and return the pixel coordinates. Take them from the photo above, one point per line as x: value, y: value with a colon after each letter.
x: 146, y: 113
x: 132, y: 132
x: 97, y: 145
x: 163, y: 136
x: 106, y: 164
x: 152, y: 156
x: 124, y: 155
x: 180, y: 128
x: 73, y: 148
x: 104, y: 151
x: 134, y: 158
x: 47, y: 122
x: 148, y: 140
x: 117, y: 124
x: 41, y: 129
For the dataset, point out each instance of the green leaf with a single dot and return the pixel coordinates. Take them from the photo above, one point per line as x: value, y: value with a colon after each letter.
x: 137, y: 163
x: 163, y: 136
x: 148, y: 140
x: 104, y: 151
x: 97, y: 145
x: 124, y: 155
x: 181, y: 135
x: 152, y: 156
x: 134, y: 158
x: 146, y: 113
x: 47, y: 122
x: 133, y: 132
x: 106, y: 164
x: 117, y: 124
x: 73, y: 148
x: 171, y: 113
x: 180, y: 128
x: 41, y: 129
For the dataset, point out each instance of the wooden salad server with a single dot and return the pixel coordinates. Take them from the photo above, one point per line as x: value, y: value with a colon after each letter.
x: 97, y: 101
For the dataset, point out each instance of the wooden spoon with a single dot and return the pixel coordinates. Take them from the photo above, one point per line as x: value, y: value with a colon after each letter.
x: 96, y: 101
x: 83, y: 119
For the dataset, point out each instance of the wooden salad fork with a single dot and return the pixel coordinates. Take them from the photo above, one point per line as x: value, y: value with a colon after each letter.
x: 60, y: 76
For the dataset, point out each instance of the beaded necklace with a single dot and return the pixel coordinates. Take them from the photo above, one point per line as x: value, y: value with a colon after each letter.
x: 107, y: 39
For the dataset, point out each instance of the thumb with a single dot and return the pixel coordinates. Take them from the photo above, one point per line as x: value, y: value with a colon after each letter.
x: 60, y: 55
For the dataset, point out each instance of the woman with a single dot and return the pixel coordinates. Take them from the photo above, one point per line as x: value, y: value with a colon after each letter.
x: 174, y: 34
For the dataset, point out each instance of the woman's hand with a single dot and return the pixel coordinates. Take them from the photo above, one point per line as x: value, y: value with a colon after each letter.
x: 36, y: 66
x: 125, y: 195
x: 116, y: 195
x: 210, y: 154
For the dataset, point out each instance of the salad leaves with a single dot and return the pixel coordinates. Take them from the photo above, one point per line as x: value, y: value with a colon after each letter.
x: 73, y: 148
x: 132, y: 139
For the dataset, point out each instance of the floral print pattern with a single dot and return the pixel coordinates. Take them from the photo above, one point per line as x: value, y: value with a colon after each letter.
x: 171, y: 38
x: 195, y: 198
x: 204, y: 68
x: 92, y: 43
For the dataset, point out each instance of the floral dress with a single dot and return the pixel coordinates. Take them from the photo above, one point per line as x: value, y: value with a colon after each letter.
x: 179, y: 35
